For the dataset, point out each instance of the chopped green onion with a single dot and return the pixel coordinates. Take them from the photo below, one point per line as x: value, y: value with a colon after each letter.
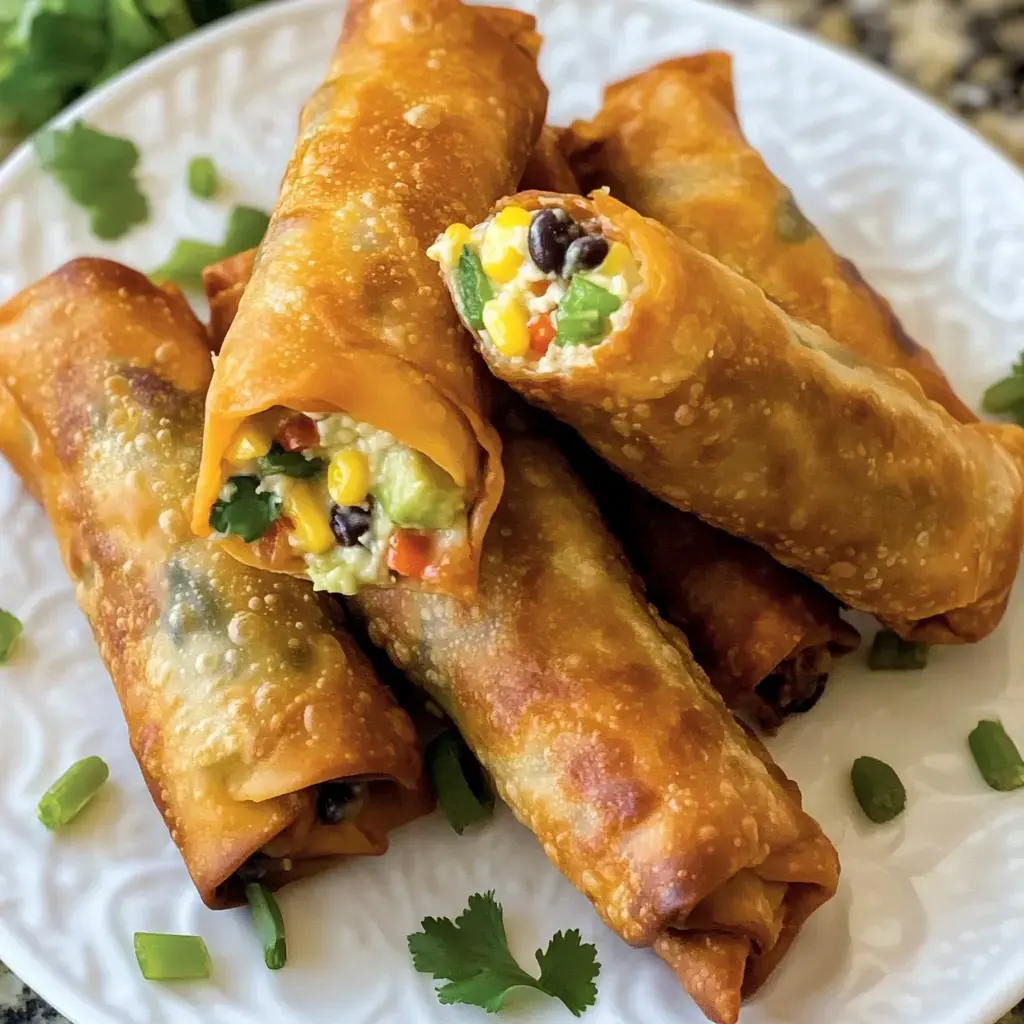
x: 996, y: 756
x: 269, y: 924
x: 10, y: 630
x: 203, y: 180
x: 277, y: 460
x: 246, y: 228
x: 248, y: 513
x: 890, y: 653
x: 458, y: 781
x: 66, y: 798
x: 171, y: 957
x: 472, y: 288
x: 878, y: 789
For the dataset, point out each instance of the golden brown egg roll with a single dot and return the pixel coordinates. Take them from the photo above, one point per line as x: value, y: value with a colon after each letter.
x: 668, y: 143
x: 345, y: 344
x: 693, y: 383
x: 608, y: 741
x: 266, y: 740
x: 765, y: 635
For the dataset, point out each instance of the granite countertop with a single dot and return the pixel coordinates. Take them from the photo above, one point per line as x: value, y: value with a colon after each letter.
x: 968, y: 54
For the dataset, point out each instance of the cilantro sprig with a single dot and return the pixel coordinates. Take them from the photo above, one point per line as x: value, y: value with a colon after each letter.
x: 248, y: 513
x: 52, y: 51
x: 98, y: 173
x: 472, y: 957
x: 1006, y: 397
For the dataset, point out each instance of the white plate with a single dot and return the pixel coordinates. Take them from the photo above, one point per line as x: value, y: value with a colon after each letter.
x: 929, y: 921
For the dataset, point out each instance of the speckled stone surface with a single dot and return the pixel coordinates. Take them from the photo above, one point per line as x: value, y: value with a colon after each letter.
x: 967, y: 54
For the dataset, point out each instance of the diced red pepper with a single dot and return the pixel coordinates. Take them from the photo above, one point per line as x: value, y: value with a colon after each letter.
x: 273, y: 549
x: 542, y: 332
x: 297, y: 433
x: 409, y: 552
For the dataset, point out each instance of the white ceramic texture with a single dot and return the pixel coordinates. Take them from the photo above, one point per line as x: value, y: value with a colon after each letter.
x: 929, y: 921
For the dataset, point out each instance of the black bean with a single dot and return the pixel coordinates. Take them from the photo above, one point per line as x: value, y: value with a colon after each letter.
x: 332, y: 800
x: 349, y: 523
x: 255, y: 869
x: 550, y: 233
x: 585, y: 253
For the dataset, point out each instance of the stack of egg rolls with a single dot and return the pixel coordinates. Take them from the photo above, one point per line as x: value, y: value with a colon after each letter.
x: 428, y: 113
x: 606, y: 738
x: 266, y: 740
x: 707, y: 394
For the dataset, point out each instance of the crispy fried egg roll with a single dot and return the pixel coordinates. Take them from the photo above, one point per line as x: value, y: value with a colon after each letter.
x: 668, y: 143
x: 264, y: 736
x: 693, y: 383
x: 765, y: 635
x: 346, y: 391
x: 608, y: 741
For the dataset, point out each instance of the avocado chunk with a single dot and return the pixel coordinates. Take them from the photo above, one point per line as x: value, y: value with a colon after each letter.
x: 415, y: 492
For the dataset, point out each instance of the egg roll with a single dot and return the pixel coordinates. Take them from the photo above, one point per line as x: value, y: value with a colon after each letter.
x: 668, y: 143
x: 765, y: 635
x: 345, y: 391
x: 607, y: 740
x: 266, y: 740
x: 694, y: 384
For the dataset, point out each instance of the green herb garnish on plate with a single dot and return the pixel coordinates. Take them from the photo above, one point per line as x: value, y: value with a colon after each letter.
x: 1006, y: 397
x: 171, y: 957
x: 189, y: 257
x: 996, y: 756
x: 878, y: 789
x: 10, y: 629
x: 69, y: 795
x: 269, y: 923
x: 203, y: 179
x: 471, y: 955
x: 98, y: 173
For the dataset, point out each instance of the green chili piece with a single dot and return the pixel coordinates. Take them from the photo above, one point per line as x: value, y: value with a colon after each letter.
x: 996, y: 756
x: 878, y: 789
x: 472, y: 288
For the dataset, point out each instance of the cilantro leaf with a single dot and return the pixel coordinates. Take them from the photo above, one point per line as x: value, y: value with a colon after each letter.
x: 472, y: 956
x: 246, y: 228
x: 568, y: 968
x: 1006, y: 396
x: 248, y: 513
x: 277, y: 460
x: 132, y: 35
x: 184, y: 266
x: 98, y: 173
x: 10, y: 630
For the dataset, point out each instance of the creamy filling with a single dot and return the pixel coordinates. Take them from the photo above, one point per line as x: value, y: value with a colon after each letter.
x: 356, y: 505
x: 538, y: 289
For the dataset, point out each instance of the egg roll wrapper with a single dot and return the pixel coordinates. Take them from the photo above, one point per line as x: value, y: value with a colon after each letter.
x: 239, y: 691
x: 428, y: 114
x: 601, y: 732
x: 709, y: 396
x: 765, y: 635
x: 668, y: 143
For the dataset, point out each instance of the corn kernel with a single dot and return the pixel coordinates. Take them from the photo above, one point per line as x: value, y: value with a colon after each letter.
x: 618, y: 261
x: 506, y: 324
x: 348, y: 477
x: 500, y: 253
x: 250, y: 442
x: 457, y: 234
x: 312, y: 529
x: 448, y: 248
x: 513, y: 217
